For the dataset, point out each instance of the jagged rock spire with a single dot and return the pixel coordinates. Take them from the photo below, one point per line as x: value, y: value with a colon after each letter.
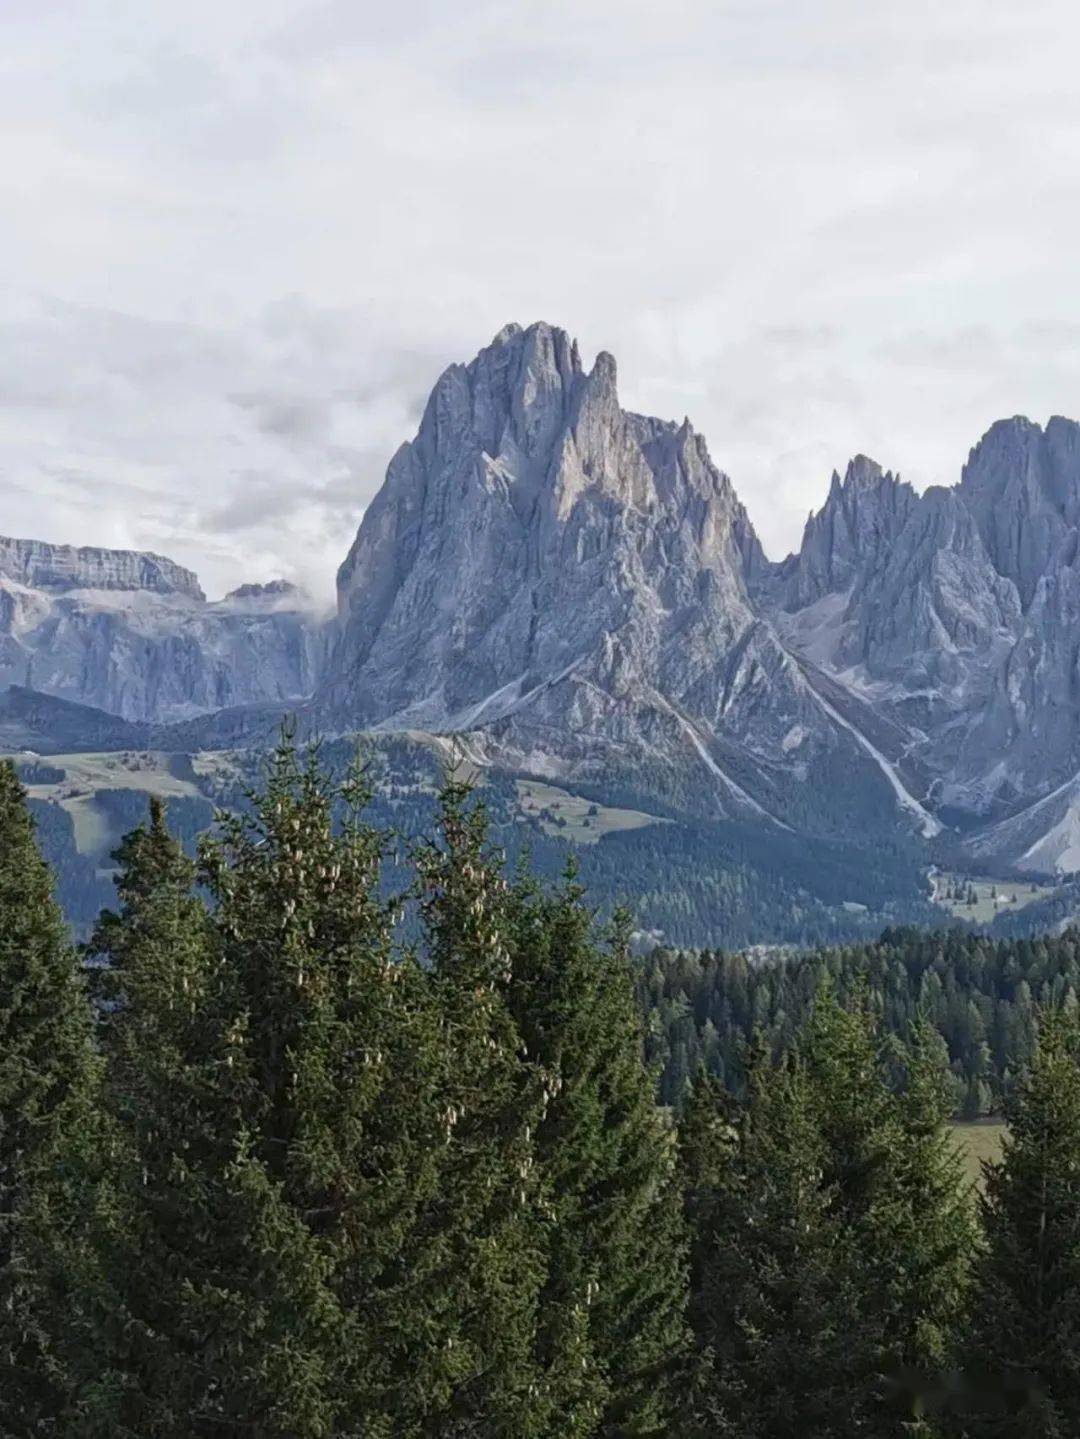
x: 573, y: 581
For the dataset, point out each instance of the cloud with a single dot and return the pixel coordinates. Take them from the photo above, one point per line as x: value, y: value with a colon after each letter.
x: 242, y: 240
x: 246, y: 451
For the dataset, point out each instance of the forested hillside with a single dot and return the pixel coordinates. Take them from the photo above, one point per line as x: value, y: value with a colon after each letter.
x: 683, y: 881
x: 272, y: 1164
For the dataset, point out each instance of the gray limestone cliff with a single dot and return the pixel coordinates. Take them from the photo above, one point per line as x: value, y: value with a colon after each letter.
x: 961, y: 625
x: 133, y: 634
x: 570, y: 582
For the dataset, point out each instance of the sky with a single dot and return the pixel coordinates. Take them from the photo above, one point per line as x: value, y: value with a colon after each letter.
x: 240, y: 239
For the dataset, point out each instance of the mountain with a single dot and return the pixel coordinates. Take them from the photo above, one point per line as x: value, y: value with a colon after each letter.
x: 578, y: 590
x: 134, y: 634
x: 576, y: 595
x: 959, y: 621
x: 63, y: 568
x: 569, y: 584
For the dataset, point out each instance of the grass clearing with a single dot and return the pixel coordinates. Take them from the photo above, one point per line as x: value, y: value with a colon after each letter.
x: 125, y: 769
x: 582, y: 821
x: 84, y: 774
x: 979, y: 1139
x: 992, y: 896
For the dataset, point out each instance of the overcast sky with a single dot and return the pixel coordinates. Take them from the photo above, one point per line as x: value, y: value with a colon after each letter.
x: 241, y: 238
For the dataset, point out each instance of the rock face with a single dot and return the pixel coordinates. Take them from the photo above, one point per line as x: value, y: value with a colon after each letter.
x: 134, y: 635
x: 848, y: 535
x: 570, y: 583
x: 961, y: 625
x: 580, y: 590
x: 64, y: 567
x: 1022, y: 486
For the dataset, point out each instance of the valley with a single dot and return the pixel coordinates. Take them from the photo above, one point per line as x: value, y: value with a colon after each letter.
x: 685, y: 880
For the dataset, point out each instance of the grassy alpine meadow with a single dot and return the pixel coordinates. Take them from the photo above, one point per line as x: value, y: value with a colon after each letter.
x: 980, y: 1141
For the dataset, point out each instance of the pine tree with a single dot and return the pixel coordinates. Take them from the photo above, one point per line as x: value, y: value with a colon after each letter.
x: 774, y: 1267
x: 611, y: 1325
x: 1026, y: 1333
x: 847, y: 1145
x: 898, y: 1185
x: 857, y: 1121
x: 485, y: 1262
x: 48, y: 1077
x: 214, y: 1302
x: 347, y: 1063
x: 926, y: 1234
x: 933, y: 1237
x: 709, y: 1149
x: 856, y: 1109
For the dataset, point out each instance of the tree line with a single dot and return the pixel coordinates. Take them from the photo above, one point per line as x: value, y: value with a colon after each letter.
x: 267, y: 1170
x: 981, y: 995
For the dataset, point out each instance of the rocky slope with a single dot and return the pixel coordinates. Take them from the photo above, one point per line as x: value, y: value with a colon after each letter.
x: 133, y: 634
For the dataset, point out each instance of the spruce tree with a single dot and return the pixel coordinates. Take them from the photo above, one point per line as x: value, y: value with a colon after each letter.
x: 347, y: 1061
x: 485, y: 1261
x: 897, y: 1182
x: 48, y: 1075
x: 1025, y: 1349
x: 856, y: 1110
x: 930, y: 1235
x: 215, y: 1309
x: 612, y: 1339
x: 852, y: 1143
x: 709, y: 1149
x: 775, y: 1269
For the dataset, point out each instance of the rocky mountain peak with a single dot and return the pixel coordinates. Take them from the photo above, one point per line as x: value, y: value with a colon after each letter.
x: 1022, y: 485
x: 573, y: 581
x: 605, y: 374
x: 278, y: 593
x: 509, y: 396
x: 863, y: 473
x: 862, y: 514
x: 59, y: 568
x: 524, y: 428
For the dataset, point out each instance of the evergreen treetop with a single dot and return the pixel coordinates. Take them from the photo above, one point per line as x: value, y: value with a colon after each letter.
x: 1026, y: 1334
x: 48, y: 1094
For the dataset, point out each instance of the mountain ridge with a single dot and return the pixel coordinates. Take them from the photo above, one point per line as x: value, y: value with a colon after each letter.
x: 40, y: 565
x: 132, y: 633
x: 572, y: 579
x: 577, y: 590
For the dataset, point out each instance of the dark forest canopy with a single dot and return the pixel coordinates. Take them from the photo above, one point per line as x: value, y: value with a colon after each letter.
x: 981, y: 995
x: 272, y: 1164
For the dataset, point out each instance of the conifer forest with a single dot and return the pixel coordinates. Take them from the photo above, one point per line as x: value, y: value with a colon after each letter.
x: 288, y: 1151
